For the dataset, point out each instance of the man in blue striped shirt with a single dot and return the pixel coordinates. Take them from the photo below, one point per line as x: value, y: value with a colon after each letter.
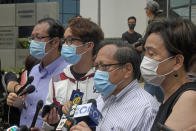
x: 124, y: 105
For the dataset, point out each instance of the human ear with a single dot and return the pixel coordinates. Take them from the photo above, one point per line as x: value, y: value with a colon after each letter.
x: 179, y: 62
x: 128, y: 69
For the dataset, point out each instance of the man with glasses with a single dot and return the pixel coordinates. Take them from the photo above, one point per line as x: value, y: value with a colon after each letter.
x: 81, y: 38
x: 44, y: 45
x: 123, y: 103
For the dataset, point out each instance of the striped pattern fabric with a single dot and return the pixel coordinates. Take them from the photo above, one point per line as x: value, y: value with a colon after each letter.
x: 132, y: 109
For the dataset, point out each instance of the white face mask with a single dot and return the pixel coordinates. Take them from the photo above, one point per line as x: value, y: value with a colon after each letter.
x: 149, y: 68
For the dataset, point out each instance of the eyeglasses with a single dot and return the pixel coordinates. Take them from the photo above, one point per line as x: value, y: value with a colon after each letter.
x: 37, y: 37
x: 104, y: 67
x: 69, y: 40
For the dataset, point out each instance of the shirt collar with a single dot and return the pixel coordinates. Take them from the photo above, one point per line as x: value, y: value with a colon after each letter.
x: 52, y: 66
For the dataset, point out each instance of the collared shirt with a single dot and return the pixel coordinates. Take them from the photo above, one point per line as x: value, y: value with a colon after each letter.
x: 42, y: 77
x: 132, y: 109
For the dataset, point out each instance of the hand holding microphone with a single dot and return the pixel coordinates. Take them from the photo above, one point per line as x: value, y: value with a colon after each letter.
x: 29, y: 81
x: 18, y: 101
x: 52, y: 117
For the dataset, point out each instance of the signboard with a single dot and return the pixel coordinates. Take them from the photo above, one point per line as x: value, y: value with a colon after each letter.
x: 8, y: 37
x: 25, y: 14
x: 7, y: 14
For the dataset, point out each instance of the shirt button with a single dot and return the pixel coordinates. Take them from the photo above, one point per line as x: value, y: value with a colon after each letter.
x: 25, y: 117
x: 30, y: 104
x: 36, y: 91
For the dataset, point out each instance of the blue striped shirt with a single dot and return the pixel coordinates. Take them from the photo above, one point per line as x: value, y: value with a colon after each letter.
x: 132, y: 109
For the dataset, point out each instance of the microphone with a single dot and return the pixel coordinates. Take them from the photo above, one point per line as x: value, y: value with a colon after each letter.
x: 163, y: 127
x: 12, y: 128
x: 68, y: 121
x: 29, y: 90
x: 38, y: 107
x: 16, y: 128
x: 10, y: 76
x: 24, y: 77
x: 29, y: 81
x: 76, y: 93
x: 88, y: 113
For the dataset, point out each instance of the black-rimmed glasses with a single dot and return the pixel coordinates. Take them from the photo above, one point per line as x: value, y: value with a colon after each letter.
x: 104, y: 67
x: 37, y: 37
x: 69, y: 40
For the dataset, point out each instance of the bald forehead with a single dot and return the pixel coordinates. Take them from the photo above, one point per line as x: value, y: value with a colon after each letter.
x: 41, y: 28
x: 106, y: 54
x: 109, y: 50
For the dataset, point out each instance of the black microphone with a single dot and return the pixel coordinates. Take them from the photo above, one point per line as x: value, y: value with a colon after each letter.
x: 29, y: 90
x: 23, y: 128
x: 93, y: 101
x: 29, y: 81
x: 10, y: 76
x: 38, y: 107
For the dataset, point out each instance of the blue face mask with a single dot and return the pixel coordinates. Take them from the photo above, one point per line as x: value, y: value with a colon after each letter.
x: 102, y: 83
x: 37, y: 49
x: 68, y: 52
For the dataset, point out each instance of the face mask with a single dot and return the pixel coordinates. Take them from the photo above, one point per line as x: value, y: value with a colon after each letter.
x: 69, y: 54
x: 37, y: 49
x: 131, y: 26
x: 102, y: 83
x: 149, y: 68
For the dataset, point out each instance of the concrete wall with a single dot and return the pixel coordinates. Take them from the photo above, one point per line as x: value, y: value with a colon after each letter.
x: 12, y: 17
x: 114, y: 14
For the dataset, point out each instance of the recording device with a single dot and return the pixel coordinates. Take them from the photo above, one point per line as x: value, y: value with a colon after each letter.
x: 29, y: 81
x: 163, y: 127
x: 29, y: 90
x: 88, y: 113
x: 140, y: 42
x: 38, y: 108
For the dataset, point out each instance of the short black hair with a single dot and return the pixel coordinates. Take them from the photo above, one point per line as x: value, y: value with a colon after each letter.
x: 56, y: 29
x: 132, y: 17
x: 125, y: 54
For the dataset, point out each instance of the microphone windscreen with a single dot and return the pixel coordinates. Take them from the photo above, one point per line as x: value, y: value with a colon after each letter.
x: 30, y: 79
x: 93, y: 101
x: 30, y: 89
x: 23, y: 128
x: 10, y: 76
x: 40, y: 104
